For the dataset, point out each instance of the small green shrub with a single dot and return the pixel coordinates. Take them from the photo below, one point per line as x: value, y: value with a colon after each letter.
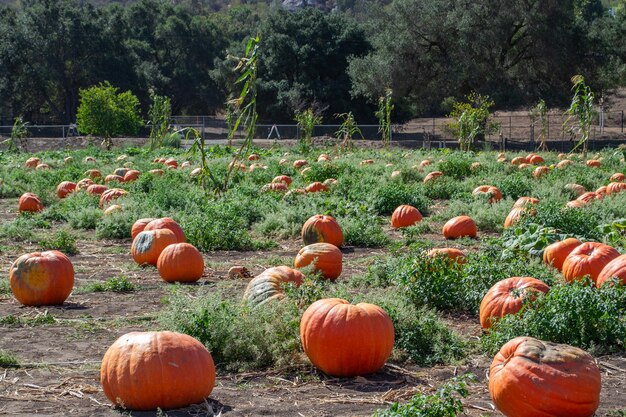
x: 8, y: 360
x: 391, y: 195
x: 514, y: 185
x: 363, y: 231
x: 85, y: 219
x: 60, y: 240
x: 238, y: 338
x: 446, y: 402
x: 5, y: 287
x: 116, y: 284
x: 457, y: 165
x: 577, y: 314
x: 115, y: 226
x: 442, y: 188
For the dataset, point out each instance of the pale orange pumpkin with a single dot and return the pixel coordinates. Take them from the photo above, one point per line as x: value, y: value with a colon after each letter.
x: 83, y: 184
x: 432, y: 176
x: 454, y: 254
x: 268, y: 286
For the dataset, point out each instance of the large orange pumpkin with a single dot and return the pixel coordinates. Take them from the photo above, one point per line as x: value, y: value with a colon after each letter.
x: 131, y: 175
x: 532, y: 378
x: 326, y: 259
x: 540, y: 171
x: 588, y: 259
x: 507, y: 297
x: 180, y: 262
x: 556, y: 253
x: 343, y: 339
x: 615, y: 268
x: 83, y: 184
x: 267, y: 286
x: 286, y: 179
x: 167, y: 223
x: 535, y: 159
x: 405, y: 216
x: 454, y: 254
x: 150, y: 370
x: 64, y: 188
x: 593, y: 163
x: 615, y: 187
x: 149, y: 244
x: 139, y: 226
x: 492, y: 192
x: 515, y: 215
x: 112, y: 177
x: 42, y: 278
x: 519, y: 160
x: 460, y: 226
x: 320, y: 228
x: 93, y: 174
x: 618, y: 176
x: 32, y: 162
x: 29, y: 202
x: 564, y: 163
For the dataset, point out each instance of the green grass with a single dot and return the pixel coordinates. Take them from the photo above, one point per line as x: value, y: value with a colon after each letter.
x: 38, y: 320
x: 117, y: 284
x: 8, y: 359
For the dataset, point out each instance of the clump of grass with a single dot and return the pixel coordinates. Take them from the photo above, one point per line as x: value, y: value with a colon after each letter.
x: 391, y: 195
x: 446, y: 402
x: 577, y: 314
x: 8, y: 360
x: 116, y: 284
x: 60, y: 240
x: 363, y: 231
x: 239, y: 338
x: 40, y: 319
x: 5, y: 287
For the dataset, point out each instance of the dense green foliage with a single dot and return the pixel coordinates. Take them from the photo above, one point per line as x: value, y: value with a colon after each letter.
x: 428, y: 52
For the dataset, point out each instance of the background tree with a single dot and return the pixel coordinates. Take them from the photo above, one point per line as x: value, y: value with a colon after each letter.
x: 105, y: 113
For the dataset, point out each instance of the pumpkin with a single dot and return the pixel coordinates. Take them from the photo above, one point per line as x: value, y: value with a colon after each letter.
x: 454, y: 254
x: 29, y: 202
x: 432, y: 176
x: 68, y: 160
x: 113, y: 209
x: 540, y: 172
x: 110, y: 195
x: 138, y: 226
x: 588, y: 197
x: 93, y: 174
x: 345, y: 340
x: 425, y: 163
x: 460, y: 226
x: 405, y: 216
x: 518, y: 160
x: 42, y: 278
x: 525, y: 202
x: 564, y: 163
x: 523, y: 166
x: 556, y: 253
x: 532, y: 378
x: 64, y: 188
x: 615, y: 268
x: 185, y: 164
x: 180, y: 262
x: 576, y: 189
x: 601, y: 191
x: 254, y: 157
x: 83, y: 184
x: 507, y: 297
x: 299, y: 163
x: 150, y: 370
x: 120, y: 172
x: 323, y: 158
x: 131, y: 175
x: 113, y: 177
x: 535, y: 159
x: 286, y: 179
x: 96, y: 189
x: 171, y: 163
x: 330, y: 182
x: 316, y: 187
x: 268, y: 286
x: 320, y: 228
x: 615, y: 187
x: 575, y: 204
x: 588, y: 259
x: 159, y: 172
x: 396, y: 174
x: 90, y: 160
x: 283, y: 162
x: 326, y: 259
x: 42, y: 167
x: 492, y: 192
x: 593, y: 163
x: 366, y: 162
x: 167, y: 223
x: 617, y: 177
x: 149, y: 244
x: 516, y: 214
x: 32, y: 162
x: 275, y: 186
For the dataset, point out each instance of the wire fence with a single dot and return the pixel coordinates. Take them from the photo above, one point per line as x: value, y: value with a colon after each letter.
x: 514, y: 131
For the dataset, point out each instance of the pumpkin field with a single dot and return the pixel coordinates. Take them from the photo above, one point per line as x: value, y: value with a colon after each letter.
x: 322, y: 281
